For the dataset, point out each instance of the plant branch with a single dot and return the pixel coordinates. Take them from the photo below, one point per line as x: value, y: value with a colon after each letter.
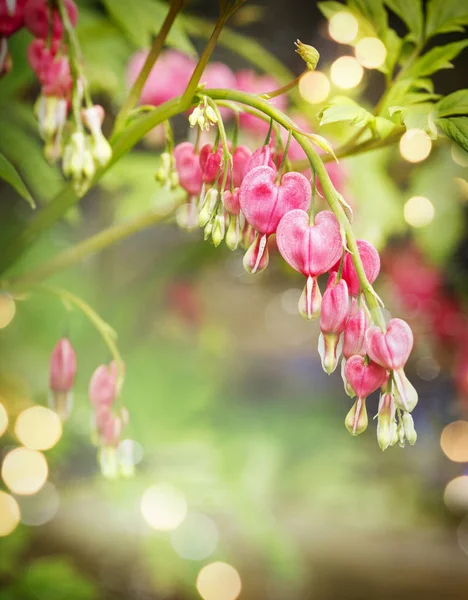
x: 137, y: 88
x: 285, y: 88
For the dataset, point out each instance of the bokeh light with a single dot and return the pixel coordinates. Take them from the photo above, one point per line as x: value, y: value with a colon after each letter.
x: 24, y: 471
x: 370, y: 52
x: 346, y: 72
x: 219, y: 581
x: 415, y: 145
x: 38, y: 428
x: 163, y: 507
x: 418, y: 211
x: 456, y: 494
x: 196, y: 538
x: 459, y: 155
x: 343, y: 27
x: 3, y: 419
x: 314, y: 87
x: 9, y: 514
x: 454, y: 441
x: 39, y: 508
x: 427, y: 368
x: 7, y: 309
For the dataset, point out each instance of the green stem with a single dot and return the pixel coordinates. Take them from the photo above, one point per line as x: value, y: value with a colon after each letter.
x: 103, y: 328
x: 92, y: 245
x: 243, y: 46
x: 285, y: 88
x: 158, y: 44
x: 332, y: 196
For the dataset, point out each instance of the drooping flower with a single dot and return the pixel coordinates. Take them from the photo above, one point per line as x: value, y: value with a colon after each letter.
x: 187, y: 163
x: 390, y: 348
x: 371, y: 262
x: 61, y: 377
x: 265, y: 201
x: 333, y: 317
x: 37, y: 18
x: 311, y: 250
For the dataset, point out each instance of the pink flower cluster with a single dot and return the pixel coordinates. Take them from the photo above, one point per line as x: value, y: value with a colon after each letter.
x: 248, y: 198
x: 103, y: 394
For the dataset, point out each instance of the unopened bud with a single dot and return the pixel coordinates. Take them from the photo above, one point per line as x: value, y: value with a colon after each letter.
x: 356, y: 420
x: 61, y: 377
x: 208, y: 207
x: 219, y: 228
x: 101, y: 150
x: 308, y: 54
x: 408, y: 426
x: 233, y: 233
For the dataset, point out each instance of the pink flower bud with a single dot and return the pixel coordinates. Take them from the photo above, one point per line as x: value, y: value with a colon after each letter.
x: 37, y: 18
x: 41, y: 57
x: 391, y: 348
x: 371, y: 263
x: 240, y: 157
x: 364, y: 377
x: 62, y: 366
x: 187, y: 163
x: 356, y: 420
x: 355, y: 331
x: 231, y: 201
x: 210, y: 163
x: 11, y: 21
x: 335, y: 308
x: 103, y: 386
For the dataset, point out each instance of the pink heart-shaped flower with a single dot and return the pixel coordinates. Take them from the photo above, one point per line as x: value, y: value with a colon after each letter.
x: 188, y: 168
x: 310, y: 249
x: 371, y: 262
x: 355, y: 331
x: 390, y: 348
x: 364, y: 378
x: 264, y: 202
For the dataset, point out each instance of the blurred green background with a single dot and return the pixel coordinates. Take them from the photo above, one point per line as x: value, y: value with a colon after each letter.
x: 236, y: 433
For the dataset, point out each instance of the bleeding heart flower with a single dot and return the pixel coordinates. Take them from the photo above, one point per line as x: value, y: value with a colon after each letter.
x: 103, y: 385
x: 37, y: 18
x: 310, y: 249
x: 240, y: 157
x: 355, y: 331
x: 364, y: 377
x: 188, y: 168
x: 262, y: 157
x: 390, y: 348
x: 370, y: 261
x: 61, y: 377
x: 264, y: 201
x: 333, y: 316
x: 11, y: 21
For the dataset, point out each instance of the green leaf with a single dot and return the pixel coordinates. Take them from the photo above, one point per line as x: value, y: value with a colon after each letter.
x: 411, y: 13
x: 383, y: 127
x: 328, y: 9
x: 393, y: 45
x: 374, y: 12
x: 144, y: 20
x: 11, y: 176
x: 454, y: 104
x: 456, y: 129
x: 418, y: 116
x: 444, y: 16
x: 436, y: 59
x: 345, y: 109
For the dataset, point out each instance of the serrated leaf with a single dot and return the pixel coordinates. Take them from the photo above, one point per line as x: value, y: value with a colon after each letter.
x: 411, y: 13
x: 436, y: 59
x: 345, y: 109
x: 453, y: 104
x: 9, y: 174
x: 373, y: 11
x: 456, y: 129
x: 444, y: 16
x: 420, y: 116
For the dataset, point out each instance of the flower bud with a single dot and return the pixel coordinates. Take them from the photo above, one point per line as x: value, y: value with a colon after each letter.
x: 231, y: 201
x: 101, y: 150
x: 218, y: 232
x: 356, y: 420
x: 308, y: 54
x: 335, y: 308
x: 406, y: 396
x: 103, y: 386
x: 233, y: 234
x: 329, y: 348
x: 391, y: 348
x: 209, y: 205
x: 386, y: 423
x: 61, y: 377
x: 408, y: 426
x: 355, y: 331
